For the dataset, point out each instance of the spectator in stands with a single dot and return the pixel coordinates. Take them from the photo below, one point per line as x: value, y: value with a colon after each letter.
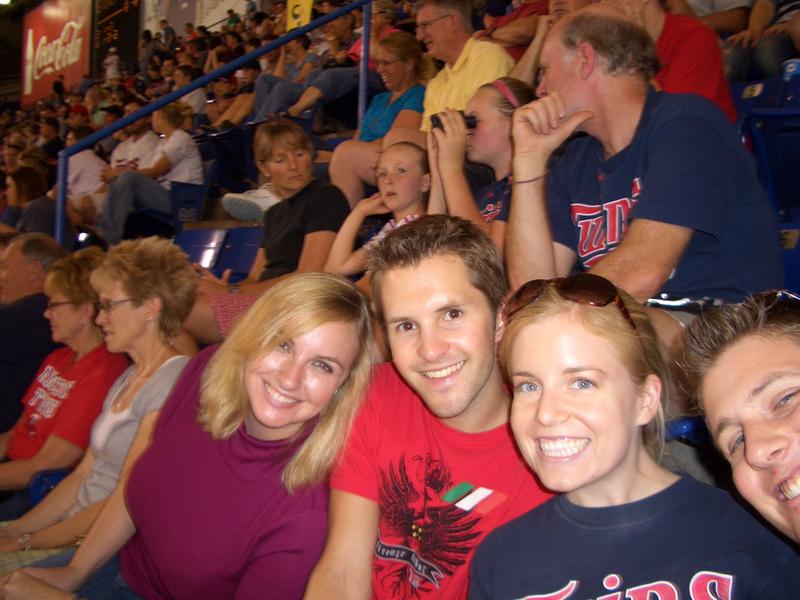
x: 26, y: 195
x: 50, y: 141
x: 145, y: 51
x: 242, y: 105
x: 189, y: 33
x: 111, y: 65
x: 402, y: 66
x: 85, y: 170
x: 223, y: 93
x: 157, y: 85
x: 445, y: 27
x: 178, y: 160
x: 94, y: 101
x: 233, y: 18
x: 11, y: 152
x: 67, y: 392
x: 759, y: 50
x: 489, y: 143
x: 159, y: 286
x: 78, y: 116
x: 170, y: 41
x: 111, y: 113
x: 298, y: 231
x: 435, y: 419
x: 295, y: 64
x: 515, y: 31
x: 137, y: 150
x: 264, y: 417
x: 197, y: 49
x: 679, y: 192
x: 742, y: 360
x: 26, y: 334
x: 333, y: 83
x: 691, y: 61
x: 196, y: 99
x: 725, y: 17
x: 273, y: 95
x: 404, y: 180
x: 589, y: 386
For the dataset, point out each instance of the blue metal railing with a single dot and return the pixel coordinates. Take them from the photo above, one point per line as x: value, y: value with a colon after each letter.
x: 91, y: 140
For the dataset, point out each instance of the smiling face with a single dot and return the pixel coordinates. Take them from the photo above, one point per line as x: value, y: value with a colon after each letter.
x: 401, y: 181
x: 433, y: 30
x: 396, y: 74
x: 442, y: 332
x: 751, y: 397
x: 491, y: 138
x: 577, y: 413
x: 289, y: 169
x: 293, y: 383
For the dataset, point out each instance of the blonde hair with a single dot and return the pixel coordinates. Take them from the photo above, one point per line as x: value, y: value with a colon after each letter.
x: 291, y: 308
x: 278, y: 132
x: 638, y: 349
x: 176, y: 113
x: 70, y: 276
x: 153, y: 267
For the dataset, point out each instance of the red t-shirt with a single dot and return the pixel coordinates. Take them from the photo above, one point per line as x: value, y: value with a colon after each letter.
x: 64, y: 399
x: 691, y: 62
x: 440, y: 491
x: 536, y: 7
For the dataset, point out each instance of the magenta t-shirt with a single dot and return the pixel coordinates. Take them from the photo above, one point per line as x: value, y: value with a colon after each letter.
x: 212, y: 517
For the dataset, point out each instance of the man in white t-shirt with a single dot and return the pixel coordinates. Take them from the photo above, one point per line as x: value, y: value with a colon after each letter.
x: 137, y: 150
x: 85, y: 174
x: 177, y: 160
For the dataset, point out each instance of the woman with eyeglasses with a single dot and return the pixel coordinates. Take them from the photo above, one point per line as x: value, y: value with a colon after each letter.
x: 402, y: 66
x: 66, y: 394
x: 589, y: 383
x: 230, y: 499
x: 144, y: 290
x: 744, y: 360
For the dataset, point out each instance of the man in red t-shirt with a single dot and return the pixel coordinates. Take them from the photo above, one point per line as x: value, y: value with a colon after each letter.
x: 430, y: 467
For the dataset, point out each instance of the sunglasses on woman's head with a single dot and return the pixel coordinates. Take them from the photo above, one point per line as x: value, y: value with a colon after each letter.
x: 583, y: 288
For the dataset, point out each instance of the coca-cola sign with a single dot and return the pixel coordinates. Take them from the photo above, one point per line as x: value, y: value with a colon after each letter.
x: 56, y: 41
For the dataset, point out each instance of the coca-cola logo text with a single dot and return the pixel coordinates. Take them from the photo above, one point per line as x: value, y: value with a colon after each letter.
x: 60, y: 53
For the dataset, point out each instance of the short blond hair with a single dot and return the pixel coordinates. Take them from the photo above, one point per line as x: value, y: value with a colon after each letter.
x: 278, y: 132
x: 638, y: 348
x: 291, y: 308
x: 152, y: 267
x: 70, y: 276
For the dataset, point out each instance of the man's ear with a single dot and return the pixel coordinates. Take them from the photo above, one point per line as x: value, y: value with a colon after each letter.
x: 500, y: 324
x: 586, y: 58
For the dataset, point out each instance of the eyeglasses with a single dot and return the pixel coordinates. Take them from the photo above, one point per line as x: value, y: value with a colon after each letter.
x: 583, y: 288
x: 386, y: 63
x: 53, y: 305
x: 110, y: 305
x: 423, y: 25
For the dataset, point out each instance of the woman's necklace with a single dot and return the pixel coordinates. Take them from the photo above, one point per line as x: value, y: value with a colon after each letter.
x: 136, y: 377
